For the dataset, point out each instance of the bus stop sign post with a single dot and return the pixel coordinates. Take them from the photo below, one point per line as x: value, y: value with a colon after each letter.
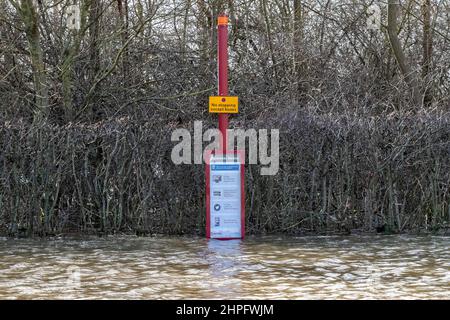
x: 222, y: 65
x: 225, y: 199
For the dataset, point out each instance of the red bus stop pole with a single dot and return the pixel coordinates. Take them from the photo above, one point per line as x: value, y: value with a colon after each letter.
x: 222, y: 61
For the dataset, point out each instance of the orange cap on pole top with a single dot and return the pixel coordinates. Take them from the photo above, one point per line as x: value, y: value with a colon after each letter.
x: 222, y: 20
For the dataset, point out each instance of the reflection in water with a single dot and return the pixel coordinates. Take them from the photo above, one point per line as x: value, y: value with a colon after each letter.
x: 364, y: 267
x: 224, y: 262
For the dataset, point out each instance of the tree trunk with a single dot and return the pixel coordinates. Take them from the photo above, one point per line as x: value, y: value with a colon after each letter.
x: 94, y: 51
x: 30, y: 18
x: 405, y: 69
x: 206, y: 35
x: 122, y: 6
x: 268, y: 26
x: 427, y: 45
x: 67, y: 73
x: 298, y: 37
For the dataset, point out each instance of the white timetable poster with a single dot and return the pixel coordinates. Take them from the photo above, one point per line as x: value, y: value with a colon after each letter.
x: 225, y: 197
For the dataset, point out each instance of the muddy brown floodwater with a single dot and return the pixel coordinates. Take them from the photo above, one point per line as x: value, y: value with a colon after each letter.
x: 361, y: 267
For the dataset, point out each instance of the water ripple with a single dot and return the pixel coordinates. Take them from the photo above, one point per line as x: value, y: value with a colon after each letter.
x: 356, y: 267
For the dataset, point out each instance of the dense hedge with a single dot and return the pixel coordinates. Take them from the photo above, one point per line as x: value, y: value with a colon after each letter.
x: 336, y: 174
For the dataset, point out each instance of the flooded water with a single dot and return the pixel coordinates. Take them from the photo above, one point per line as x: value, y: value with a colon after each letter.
x: 361, y: 267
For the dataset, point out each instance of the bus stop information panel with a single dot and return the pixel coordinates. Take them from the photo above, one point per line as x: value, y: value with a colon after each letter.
x: 225, y: 196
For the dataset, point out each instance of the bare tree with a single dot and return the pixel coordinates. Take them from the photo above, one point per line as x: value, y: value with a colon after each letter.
x: 70, y: 51
x: 298, y: 38
x: 407, y: 72
x: 427, y: 46
x: 30, y: 18
x: 122, y: 7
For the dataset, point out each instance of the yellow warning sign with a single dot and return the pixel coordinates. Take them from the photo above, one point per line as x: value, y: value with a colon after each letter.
x: 223, y: 104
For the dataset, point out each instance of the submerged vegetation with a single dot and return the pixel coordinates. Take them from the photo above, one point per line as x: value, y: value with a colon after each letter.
x: 337, y: 174
x: 362, y: 103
